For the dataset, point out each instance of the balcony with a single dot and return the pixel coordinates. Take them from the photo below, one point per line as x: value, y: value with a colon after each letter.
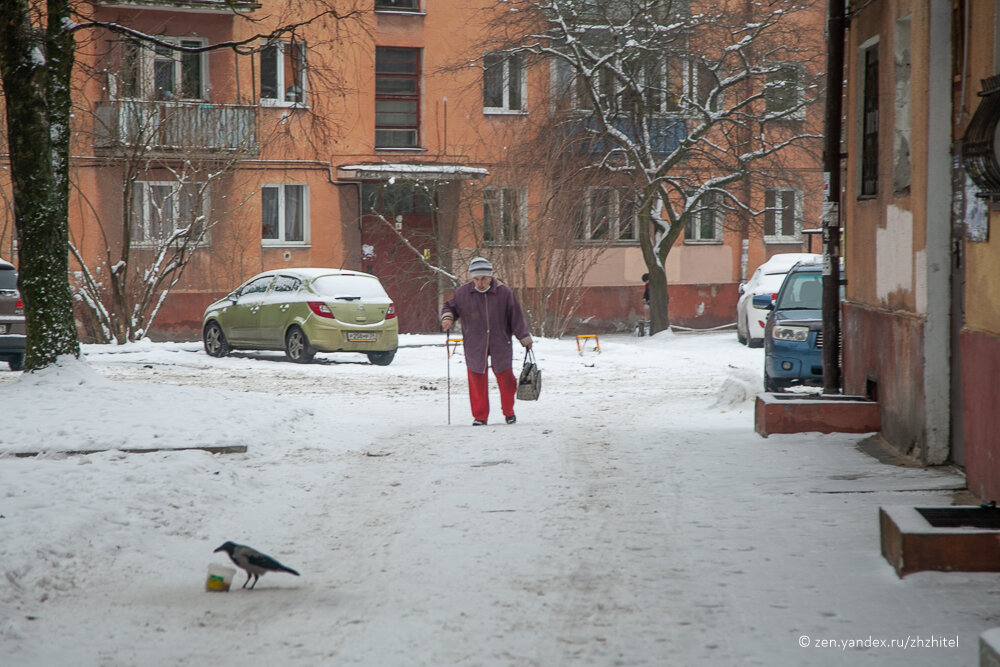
x: 584, y: 136
x: 174, y: 128
x: 227, y: 6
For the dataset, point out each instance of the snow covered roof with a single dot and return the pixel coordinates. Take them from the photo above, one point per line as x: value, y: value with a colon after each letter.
x: 424, y: 170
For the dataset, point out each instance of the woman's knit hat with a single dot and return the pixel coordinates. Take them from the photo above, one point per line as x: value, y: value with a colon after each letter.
x: 480, y: 266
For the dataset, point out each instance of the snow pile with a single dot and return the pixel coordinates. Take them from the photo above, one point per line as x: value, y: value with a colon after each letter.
x: 71, y: 407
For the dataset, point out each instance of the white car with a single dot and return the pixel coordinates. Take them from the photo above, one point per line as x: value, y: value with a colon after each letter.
x: 767, y: 279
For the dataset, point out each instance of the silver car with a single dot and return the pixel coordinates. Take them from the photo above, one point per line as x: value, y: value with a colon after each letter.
x: 11, y: 318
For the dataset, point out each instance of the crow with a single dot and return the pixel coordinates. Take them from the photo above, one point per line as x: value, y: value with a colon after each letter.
x: 254, y: 562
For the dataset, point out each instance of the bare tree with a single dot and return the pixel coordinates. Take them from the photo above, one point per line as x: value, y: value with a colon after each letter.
x: 683, y: 98
x: 38, y: 41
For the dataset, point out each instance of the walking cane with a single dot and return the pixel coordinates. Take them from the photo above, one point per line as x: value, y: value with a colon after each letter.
x: 448, y: 354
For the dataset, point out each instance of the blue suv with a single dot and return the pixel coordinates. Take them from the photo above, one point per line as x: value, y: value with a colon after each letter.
x: 793, y: 337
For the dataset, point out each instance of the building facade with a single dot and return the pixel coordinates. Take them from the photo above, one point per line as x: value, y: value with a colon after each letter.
x: 389, y: 140
x: 922, y: 186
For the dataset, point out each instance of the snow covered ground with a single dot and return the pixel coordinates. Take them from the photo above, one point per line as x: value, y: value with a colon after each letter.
x: 630, y: 517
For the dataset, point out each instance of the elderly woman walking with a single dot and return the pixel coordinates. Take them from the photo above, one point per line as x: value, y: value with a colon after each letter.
x: 490, y: 315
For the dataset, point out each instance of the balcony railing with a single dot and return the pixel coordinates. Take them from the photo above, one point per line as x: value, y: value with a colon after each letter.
x: 177, y: 127
x: 584, y: 136
x: 200, y: 6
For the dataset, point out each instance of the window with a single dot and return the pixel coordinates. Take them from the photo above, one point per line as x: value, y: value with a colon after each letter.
x: 701, y: 81
x: 408, y: 5
x: 286, y: 284
x: 502, y: 214
x: 391, y: 199
x: 284, y: 214
x: 665, y: 88
x: 156, y: 72
x: 902, y: 103
x: 784, y: 94
x: 161, y: 208
x: 782, y: 216
x: 869, y: 127
x: 258, y: 286
x: 283, y: 73
x: 607, y: 214
x: 503, y: 82
x: 397, y: 97
x: 704, y: 224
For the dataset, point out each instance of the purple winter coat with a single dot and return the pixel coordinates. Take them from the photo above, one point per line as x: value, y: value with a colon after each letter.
x: 489, y: 319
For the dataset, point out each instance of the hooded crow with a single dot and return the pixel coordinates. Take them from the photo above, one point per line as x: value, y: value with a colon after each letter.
x: 254, y: 562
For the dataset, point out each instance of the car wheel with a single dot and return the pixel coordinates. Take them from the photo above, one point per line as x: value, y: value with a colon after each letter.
x: 215, y: 341
x: 16, y: 363
x: 739, y: 335
x: 770, y: 385
x: 382, y: 358
x: 297, y: 346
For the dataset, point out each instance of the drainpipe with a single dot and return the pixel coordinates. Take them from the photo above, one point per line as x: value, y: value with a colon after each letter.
x: 835, y: 25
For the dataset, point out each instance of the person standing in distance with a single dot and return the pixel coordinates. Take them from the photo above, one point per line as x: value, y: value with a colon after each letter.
x: 490, y: 315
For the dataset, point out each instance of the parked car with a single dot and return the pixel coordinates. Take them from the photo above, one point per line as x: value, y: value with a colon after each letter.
x: 11, y: 318
x: 767, y: 279
x: 304, y: 311
x: 793, y: 337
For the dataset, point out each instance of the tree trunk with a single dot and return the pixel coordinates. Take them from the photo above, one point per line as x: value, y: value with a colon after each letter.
x: 36, y: 78
x: 659, y: 300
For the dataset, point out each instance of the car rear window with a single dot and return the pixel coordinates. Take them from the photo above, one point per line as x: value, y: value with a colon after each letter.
x: 349, y: 286
x: 8, y: 279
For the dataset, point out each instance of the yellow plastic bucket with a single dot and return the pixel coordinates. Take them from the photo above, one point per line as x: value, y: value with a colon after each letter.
x: 220, y: 578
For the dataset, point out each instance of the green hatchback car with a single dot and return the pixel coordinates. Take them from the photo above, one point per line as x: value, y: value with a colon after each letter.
x: 305, y: 311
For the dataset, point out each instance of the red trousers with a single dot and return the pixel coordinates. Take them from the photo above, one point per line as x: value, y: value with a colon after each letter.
x: 479, y: 393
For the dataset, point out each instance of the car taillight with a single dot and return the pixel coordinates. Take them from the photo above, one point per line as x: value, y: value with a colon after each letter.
x: 20, y: 304
x: 320, y: 309
x: 391, y: 313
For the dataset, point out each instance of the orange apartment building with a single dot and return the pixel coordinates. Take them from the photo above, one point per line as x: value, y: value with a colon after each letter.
x: 281, y: 150
x: 922, y: 185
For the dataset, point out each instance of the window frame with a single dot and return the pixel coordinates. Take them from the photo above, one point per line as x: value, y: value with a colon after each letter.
x: 506, y: 84
x: 776, y: 210
x: 517, y: 211
x: 716, y: 209
x: 282, y: 223
x: 141, y: 233
x: 414, y: 97
x: 868, y: 119
x: 138, y: 81
x: 281, y: 70
x: 389, y: 8
x: 676, y: 81
x: 617, y: 196
x: 795, y: 109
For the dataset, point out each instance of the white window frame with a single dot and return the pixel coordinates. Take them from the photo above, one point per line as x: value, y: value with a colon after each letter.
x: 141, y: 233
x: 682, y: 71
x: 282, y: 222
x: 405, y: 10
x: 518, y: 213
x: 714, y: 207
x: 798, y: 104
x: 506, y: 83
x: 796, y: 237
x: 280, y: 85
x: 616, y: 196
x: 146, y: 69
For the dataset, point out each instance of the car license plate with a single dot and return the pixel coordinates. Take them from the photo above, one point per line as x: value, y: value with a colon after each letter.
x: 3, y: 328
x: 362, y: 336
